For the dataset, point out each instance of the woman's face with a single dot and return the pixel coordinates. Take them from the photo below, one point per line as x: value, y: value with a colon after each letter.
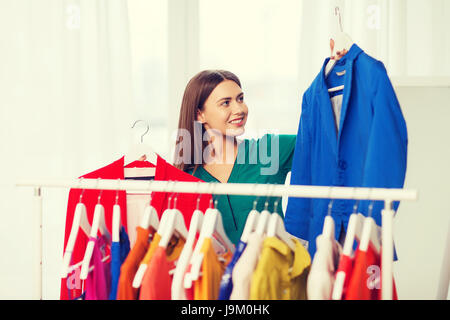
x: 225, y: 110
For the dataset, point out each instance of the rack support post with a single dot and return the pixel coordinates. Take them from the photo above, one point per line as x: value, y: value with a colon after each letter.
x: 387, y: 250
x: 37, y: 243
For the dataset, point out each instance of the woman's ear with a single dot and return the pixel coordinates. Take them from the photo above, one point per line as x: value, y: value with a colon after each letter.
x: 200, y: 117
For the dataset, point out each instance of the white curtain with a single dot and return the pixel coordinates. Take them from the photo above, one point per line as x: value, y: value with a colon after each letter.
x: 66, y: 108
x: 409, y: 36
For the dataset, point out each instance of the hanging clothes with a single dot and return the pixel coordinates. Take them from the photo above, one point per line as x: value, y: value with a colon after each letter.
x: 98, y: 281
x: 180, y: 272
x: 157, y: 281
x: 368, y: 150
x: 365, y: 281
x: 323, y: 269
x: 90, y: 199
x: 250, y: 167
x: 226, y: 284
x: 125, y: 290
x: 163, y: 172
x: 207, y: 286
x: 280, y: 274
x: 119, y: 252
x: 245, y: 266
x: 346, y: 268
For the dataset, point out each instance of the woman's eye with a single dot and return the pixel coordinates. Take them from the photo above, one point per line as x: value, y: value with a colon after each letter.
x: 241, y: 99
x: 226, y: 103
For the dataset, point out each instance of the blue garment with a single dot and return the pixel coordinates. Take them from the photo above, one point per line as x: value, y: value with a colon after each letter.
x: 119, y: 252
x: 369, y: 150
x: 226, y: 284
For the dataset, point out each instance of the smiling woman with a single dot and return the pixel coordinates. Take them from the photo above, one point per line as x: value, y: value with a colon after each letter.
x: 213, y: 115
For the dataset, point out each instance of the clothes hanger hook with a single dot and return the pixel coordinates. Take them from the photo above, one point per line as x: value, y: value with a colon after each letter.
x: 330, y: 205
x: 369, y: 213
x: 117, y: 191
x: 255, y: 202
x: 148, y: 128
x: 212, y: 197
x: 199, y: 196
x: 337, y: 12
x: 355, y: 206
x: 82, y: 190
x: 101, y: 191
x: 149, y: 186
x: 174, y: 195
x: 275, y: 205
x: 166, y: 188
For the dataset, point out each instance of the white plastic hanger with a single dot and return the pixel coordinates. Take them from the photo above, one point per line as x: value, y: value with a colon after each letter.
x: 370, y: 233
x: 149, y: 218
x: 98, y: 224
x: 137, y: 280
x: 328, y: 224
x: 140, y: 152
x: 261, y: 225
x: 263, y: 219
x: 275, y: 228
x: 175, y: 225
x: 250, y: 224
x: 80, y: 220
x: 116, y: 223
x: 212, y: 225
x: 340, y: 42
x: 354, y: 231
x: 180, y: 269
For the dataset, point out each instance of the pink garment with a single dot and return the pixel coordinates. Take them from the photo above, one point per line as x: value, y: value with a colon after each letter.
x: 98, y: 282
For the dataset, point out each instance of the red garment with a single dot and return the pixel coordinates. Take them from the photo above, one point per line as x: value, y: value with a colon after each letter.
x: 186, y: 203
x: 345, y: 266
x: 365, y: 282
x: 71, y: 287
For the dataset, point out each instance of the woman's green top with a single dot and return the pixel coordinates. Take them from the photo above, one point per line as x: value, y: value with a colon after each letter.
x: 265, y: 160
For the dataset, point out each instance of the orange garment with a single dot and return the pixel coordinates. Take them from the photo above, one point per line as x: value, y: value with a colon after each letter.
x: 151, y: 250
x: 125, y: 290
x: 157, y: 282
x: 207, y: 286
x: 365, y: 281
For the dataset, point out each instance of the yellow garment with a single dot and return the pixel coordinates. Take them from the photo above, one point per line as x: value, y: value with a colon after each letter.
x: 213, y: 266
x: 151, y: 249
x: 280, y: 274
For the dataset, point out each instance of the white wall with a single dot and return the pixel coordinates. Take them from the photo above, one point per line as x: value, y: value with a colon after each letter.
x: 421, y: 227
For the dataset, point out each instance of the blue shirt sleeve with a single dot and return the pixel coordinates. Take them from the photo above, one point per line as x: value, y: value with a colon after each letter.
x: 388, y: 143
x: 298, y: 210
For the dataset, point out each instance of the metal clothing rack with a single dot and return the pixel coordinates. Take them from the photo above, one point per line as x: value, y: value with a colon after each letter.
x: 249, y: 189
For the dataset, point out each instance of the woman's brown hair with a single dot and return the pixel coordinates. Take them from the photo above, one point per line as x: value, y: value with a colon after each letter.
x: 197, y: 91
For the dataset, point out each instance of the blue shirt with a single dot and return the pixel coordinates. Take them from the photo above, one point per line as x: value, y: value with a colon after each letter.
x: 368, y: 150
x: 226, y: 284
x: 119, y: 252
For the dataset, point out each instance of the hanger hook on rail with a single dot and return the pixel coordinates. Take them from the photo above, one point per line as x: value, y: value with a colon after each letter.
x: 337, y: 12
x: 148, y: 128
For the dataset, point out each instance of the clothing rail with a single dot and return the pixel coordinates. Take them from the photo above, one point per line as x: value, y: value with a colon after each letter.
x: 249, y: 189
